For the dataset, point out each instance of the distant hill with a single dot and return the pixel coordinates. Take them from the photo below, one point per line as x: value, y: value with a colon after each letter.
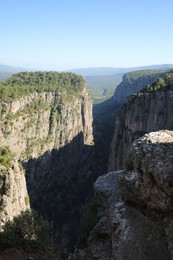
x: 4, y: 75
x: 6, y: 71
x: 103, y: 87
x: 11, y: 69
x: 98, y: 71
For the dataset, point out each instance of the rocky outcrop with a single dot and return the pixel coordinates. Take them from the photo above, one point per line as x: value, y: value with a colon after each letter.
x: 135, y: 206
x: 149, y: 110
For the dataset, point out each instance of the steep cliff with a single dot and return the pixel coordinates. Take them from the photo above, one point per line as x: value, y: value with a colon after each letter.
x: 105, y: 112
x: 46, y: 120
x: 133, y: 82
x: 135, y: 207
x: 34, y: 122
x: 149, y: 110
x: 13, y: 193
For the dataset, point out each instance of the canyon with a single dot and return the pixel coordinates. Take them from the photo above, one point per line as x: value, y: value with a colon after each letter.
x: 134, y: 200
x: 50, y: 135
x: 51, y: 154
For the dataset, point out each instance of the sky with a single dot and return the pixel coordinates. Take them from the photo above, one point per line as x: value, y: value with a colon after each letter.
x: 67, y: 34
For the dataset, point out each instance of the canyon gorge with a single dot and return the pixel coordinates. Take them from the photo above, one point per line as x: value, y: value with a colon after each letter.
x: 52, y: 154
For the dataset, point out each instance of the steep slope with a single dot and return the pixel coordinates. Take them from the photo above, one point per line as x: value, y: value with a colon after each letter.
x: 105, y: 112
x: 133, y: 82
x: 135, y: 206
x: 46, y: 120
x: 13, y: 193
x: 34, y: 122
x: 149, y: 110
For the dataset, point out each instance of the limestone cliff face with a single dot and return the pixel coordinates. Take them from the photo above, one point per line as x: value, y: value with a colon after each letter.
x: 135, y: 207
x: 13, y: 193
x: 41, y: 121
x: 150, y: 110
x: 105, y: 112
x: 50, y: 133
x: 133, y: 82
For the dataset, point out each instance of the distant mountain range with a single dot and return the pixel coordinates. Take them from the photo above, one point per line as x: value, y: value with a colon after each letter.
x: 6, y: 71
x: 11, y: 69
x: 95, y: 71
x: 104, y: 71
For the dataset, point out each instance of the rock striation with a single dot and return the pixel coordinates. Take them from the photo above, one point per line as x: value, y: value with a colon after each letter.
x: 149, y: 110
x: 133, y: 82
x: 13, y: 192
x: 43, y: 121
x: 135, y: 206
x: 46, y: 121
x: 105, y: 114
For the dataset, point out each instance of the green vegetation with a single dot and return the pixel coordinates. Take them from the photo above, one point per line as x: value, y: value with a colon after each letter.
x: 26, y: 230
x: 6, y: 157
x: 132, y: 76
x: 161, y: 85
x: 27, y: 200
x: 25, y: 83
x: 102, y: 87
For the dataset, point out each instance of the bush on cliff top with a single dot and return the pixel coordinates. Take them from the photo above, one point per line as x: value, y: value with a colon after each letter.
x: 161, y: 85
x: 24, y: 83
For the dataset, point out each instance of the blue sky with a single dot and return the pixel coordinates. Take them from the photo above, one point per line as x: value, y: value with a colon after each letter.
x: 66, y: 34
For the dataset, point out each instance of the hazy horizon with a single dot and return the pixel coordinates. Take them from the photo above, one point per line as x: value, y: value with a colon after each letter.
x: 81, y: 68
x: 65, y: 35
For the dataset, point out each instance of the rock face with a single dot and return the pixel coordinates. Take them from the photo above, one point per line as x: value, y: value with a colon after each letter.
x: 133, y: 82
x: 50, y: 132
x: 135, y: 206
x: 13, y: 193
x: 36, y: 127
x: 149, y: 110
x: 106, y: 112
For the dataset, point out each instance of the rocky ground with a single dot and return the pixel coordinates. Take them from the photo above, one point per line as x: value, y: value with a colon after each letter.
x: 135, y: 205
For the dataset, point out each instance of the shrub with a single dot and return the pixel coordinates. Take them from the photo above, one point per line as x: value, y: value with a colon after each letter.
x: 27, y: 200
x: 6, y: 157
x: 26, y: 230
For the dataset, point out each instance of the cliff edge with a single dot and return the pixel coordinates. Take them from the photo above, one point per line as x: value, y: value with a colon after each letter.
x: 135, y: 206
x: 46, y: 122
x: 149, y: 110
